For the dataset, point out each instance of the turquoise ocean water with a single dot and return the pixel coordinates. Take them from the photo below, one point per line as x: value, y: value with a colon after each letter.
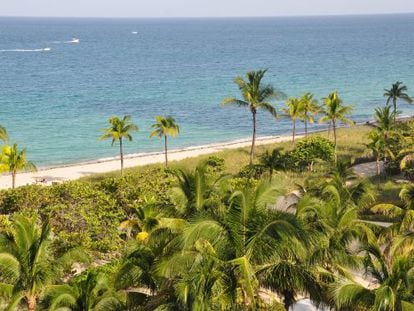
x: 55, y: 95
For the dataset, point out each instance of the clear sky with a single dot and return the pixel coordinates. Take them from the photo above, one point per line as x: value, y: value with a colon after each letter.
x: 199, y: 8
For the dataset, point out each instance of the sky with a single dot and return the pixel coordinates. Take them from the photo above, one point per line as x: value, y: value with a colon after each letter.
x: 199, y: 8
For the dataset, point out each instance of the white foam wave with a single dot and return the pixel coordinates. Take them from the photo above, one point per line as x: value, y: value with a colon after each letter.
x: 26, y: 50
x: 74, y: 40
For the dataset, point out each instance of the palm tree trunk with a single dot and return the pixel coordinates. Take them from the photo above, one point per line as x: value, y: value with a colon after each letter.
x: 165, y: 150
x: 394, y: 102
x: 378, y: 167
x: 288, y: 299
x: 253, y: 139
x: 334, y: 133
x: 294, y: 131
x: 329, y: 129
x: 306, y: 128
x: 13, y: 180
x: 31, y: 303
x: 121, y: 152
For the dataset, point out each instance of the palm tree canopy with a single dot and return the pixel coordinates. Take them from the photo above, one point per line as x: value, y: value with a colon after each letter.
x: 255, y: 94
x: 310, y: 107
x: 3, y: 134
x: 397, y: 91
x: 294, y: 108
x: 14, y: 160
x: 165, y: 126
x: 335, y: 110
x: 119, y: 128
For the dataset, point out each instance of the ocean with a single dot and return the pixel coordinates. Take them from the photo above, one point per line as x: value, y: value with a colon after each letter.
x: 56, y: 95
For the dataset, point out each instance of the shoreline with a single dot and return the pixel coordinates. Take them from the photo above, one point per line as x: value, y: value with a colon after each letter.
x: 75, y: 171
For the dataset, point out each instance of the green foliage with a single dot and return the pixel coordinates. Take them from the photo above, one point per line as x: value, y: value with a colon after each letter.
x: 310, y: 150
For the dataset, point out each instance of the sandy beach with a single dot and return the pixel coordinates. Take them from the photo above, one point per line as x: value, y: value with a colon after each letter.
x: 47, y: 176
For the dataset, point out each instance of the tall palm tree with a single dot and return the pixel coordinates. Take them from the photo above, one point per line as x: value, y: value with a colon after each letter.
x: 14, y: 160
x: 310, y: 108
x: 164, y: 127
x: 93, y: 293
x: 255, y: 96
x: 294, y: 111
x: 397, y: 91
x: 119, y: 130
x: 27, y: 262
x: 334, y: 112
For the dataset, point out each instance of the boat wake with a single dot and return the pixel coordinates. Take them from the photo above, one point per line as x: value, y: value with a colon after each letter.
x: 26, y: 50
x: 73, y: 41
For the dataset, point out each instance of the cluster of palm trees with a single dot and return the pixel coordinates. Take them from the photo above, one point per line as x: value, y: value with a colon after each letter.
x: 121, y: 129
x: 256, y: 96
x: 388, y: 140
x: 227, y: 245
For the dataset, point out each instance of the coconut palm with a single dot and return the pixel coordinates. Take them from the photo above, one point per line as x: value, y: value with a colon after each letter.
x: 393, y: 279
x: 293, y: 111
x: 27, y: 263
x: 334, y: 112
x: 378, y: 148
x: 92, y: 293
x: 384, y: 121
x: 119, y: 130
x: 164, y: 127
x: 275, y: 160
x: 397, y: 92
x: 255, y: 96
x: 310, y: 108
x: 232, y: 248
x: 14, y: 160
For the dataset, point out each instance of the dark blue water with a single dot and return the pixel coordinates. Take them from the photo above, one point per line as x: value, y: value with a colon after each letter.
x: 54, y: 102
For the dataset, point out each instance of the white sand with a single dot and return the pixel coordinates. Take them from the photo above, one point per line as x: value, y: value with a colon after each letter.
x: 72, y: 172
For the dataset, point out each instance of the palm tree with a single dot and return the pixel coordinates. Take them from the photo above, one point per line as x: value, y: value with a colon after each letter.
x: 255, y: 96
x: 164, y: 127
x: 93, y: 293
x: 385, y: 120
x: 397, y: 91
x: 223, y: 256
x: 294, y: 111
x: 118, y: 130
x: 379, y: 148
x: 14, y: 160
x: 310, y: 108
x: 27, y: 263
x: 393, y: 279
x: 335, y: 111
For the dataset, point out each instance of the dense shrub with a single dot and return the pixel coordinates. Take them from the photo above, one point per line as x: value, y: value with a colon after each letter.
x: 310, y: 150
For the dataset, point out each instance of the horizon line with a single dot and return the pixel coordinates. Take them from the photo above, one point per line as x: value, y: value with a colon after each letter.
x: 210, y: 17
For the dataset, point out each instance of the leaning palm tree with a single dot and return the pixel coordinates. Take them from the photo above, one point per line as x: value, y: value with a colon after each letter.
x: 14, y: 160
x: 255, y: 96
x: 293, y: 111
x: 27, y: 262
x: 164, y: 127
x: 397, y: 91
x: 335, y: 112
x: 310, y: 108
x: 117, y: 131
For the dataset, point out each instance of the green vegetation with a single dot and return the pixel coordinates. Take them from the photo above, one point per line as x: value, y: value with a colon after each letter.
x: 13, y: 161
x: 334, y: 112
x: 119, y: 130
x: 255, y: 97
x: 397, y: 92
x: 223, y: 231
x: 164, y: 127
